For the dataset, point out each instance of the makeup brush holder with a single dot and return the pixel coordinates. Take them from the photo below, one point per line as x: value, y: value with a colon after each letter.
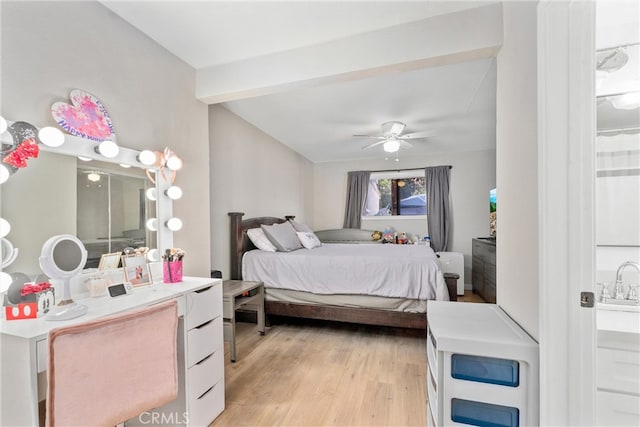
x: 172, y: 271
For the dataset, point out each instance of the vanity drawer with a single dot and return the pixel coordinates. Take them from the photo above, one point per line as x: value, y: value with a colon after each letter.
x: 205, y: 373
x: 203, y: 305
x: 204, y: 340
x: 618, y: 370
x: 204, y: 409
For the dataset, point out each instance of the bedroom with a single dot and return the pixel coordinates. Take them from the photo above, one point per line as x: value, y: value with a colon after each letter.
x: 54, y: 67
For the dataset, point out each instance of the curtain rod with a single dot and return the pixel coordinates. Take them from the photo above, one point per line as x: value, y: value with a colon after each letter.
x: 402, y: 170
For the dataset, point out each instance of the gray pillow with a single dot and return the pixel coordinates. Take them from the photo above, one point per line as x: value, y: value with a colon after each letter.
x: 283, y: 236
x: 300, y: 226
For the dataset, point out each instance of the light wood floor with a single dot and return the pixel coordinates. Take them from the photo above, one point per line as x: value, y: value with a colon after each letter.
x: 326, y: 374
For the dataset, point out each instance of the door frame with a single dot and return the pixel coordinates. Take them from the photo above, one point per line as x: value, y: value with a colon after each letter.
x: 566, y: 171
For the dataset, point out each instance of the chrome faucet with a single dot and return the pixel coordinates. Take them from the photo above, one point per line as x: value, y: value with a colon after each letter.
x: 619, y: 290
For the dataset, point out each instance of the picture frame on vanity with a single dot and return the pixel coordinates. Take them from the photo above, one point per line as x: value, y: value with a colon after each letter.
x: 109, y: 261
x: 136, y: 270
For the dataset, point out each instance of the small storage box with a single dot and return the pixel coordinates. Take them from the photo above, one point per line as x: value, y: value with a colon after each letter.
x: 488, y: 370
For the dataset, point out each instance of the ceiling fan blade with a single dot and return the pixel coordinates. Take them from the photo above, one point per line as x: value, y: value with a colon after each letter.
x: 416, y: 135
x: 370, y: 136
x: 374, y: 144
x: 405, y: 144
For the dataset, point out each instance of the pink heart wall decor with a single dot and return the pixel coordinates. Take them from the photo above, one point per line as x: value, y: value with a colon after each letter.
x: 85, y: 117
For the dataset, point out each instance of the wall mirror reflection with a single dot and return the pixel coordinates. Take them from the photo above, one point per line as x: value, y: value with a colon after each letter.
x: 112, y: 209
x: 617, y: 144
x: 48, y: 198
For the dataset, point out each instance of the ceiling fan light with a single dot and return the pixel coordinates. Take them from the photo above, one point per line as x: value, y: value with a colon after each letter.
x: 391, y: 146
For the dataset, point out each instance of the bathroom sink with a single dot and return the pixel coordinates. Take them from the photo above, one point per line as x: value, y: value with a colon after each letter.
x: 610, y: 317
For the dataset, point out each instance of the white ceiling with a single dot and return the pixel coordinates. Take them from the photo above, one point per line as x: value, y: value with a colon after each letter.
x: 455, y: 102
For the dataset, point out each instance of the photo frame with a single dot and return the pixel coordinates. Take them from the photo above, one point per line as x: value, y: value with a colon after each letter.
x: 136, y: 270
x: 109, y: 261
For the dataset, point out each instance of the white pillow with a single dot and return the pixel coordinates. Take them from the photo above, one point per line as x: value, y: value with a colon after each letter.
x: 260, y: 240
x: 309, y: 240
x: 300, y: 226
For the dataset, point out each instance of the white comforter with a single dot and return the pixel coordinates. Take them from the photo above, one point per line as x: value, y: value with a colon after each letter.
x: 400, y: 271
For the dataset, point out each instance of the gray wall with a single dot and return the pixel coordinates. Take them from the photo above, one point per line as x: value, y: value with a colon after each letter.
x: 472, y: 176
x: 252, y: 173
x: 49, y: 48
x: 517, y: 167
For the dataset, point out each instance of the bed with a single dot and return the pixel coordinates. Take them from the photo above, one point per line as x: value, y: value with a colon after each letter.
x: 290, y: 295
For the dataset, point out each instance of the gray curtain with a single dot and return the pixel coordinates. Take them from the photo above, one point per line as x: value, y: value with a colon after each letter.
x: 437, y: 185
x: 357, y: 185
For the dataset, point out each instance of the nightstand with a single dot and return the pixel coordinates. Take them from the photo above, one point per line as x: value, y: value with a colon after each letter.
x: 241, y: 294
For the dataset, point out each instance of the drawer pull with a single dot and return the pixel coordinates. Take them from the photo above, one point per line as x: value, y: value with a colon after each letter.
x: 203, y: 360
x: 199, y: 291
x: 208, y: 390
x: 204, y: 324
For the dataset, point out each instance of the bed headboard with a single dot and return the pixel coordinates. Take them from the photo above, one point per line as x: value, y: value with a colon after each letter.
x: 239, y: 242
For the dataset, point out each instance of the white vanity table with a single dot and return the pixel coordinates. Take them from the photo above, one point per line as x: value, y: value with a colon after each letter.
x: 23, y: 347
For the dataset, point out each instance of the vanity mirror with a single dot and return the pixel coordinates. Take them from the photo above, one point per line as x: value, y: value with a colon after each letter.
x: 41, y: 200
x: 62, y: 258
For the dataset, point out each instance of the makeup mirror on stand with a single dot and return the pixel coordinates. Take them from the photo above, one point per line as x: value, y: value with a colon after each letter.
x: 64, y: 257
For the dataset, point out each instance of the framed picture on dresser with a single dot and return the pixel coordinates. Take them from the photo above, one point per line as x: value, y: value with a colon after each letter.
x: 136, y: 270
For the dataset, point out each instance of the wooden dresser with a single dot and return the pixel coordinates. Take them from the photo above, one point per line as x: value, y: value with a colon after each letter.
x: 483, y: 268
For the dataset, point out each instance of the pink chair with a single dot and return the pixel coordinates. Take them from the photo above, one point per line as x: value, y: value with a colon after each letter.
x: 105, y: 371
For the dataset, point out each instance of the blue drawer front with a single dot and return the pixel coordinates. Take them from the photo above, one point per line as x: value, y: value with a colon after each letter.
x: 484, y: 414
x: 485, y: 370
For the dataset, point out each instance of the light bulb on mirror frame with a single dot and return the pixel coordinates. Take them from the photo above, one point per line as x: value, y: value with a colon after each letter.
x: 153, y: 255
x: 152, y: 224
x: 5, y: 281
x: 108, y: 149
x: 174, y: 224
x: 174, y: 192
x: 152, y: 193
x: 5, y: 173
x: 146, y: 157
x: 174, y: 162
x: 5, y: 227
x: 51, y: 137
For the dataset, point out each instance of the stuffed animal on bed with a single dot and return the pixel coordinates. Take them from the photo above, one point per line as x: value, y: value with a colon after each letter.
x: 388, y: 235
x: 376, y: 235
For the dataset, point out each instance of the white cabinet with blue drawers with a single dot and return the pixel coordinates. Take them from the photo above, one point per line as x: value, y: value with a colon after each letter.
x: 482, y: 367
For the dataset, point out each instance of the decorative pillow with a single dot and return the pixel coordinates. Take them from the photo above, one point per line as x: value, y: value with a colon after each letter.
x: 258, y: 238
x: 309, y: 240
x: 299, y: 226
x: 283, y: 236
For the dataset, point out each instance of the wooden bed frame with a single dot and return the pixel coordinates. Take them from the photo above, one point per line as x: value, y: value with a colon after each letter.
x: 240, y: 243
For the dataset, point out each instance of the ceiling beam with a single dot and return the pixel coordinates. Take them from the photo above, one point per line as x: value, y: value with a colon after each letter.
x: 429, y: 42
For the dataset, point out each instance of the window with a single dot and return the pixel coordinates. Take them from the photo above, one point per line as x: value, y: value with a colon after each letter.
x: 395, y: 194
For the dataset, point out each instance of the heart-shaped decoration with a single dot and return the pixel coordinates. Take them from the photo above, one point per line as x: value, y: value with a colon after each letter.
x: 85, y: 117
x: 25, y: 145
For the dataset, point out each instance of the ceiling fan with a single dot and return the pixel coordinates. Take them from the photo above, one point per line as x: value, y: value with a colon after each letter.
x: 392, y: 138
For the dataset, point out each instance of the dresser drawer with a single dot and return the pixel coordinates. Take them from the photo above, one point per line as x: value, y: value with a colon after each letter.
x: 205, y: 373
x: 432, y: 355
x: 618, y: 370
x: 204, y: 340
x: 617, y: 409
x: 203, y: 305
x: 204, y: 409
